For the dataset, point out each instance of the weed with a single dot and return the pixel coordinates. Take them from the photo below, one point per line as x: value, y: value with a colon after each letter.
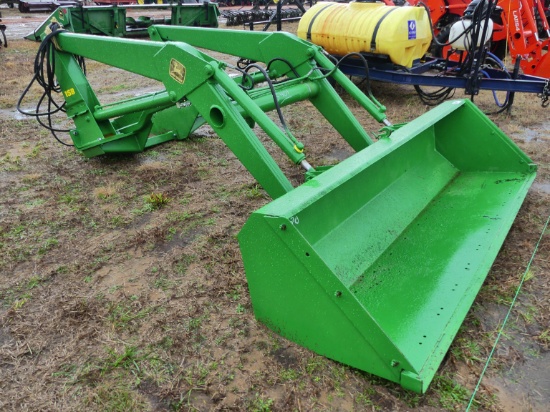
x: 35, y: 202
x: 35, y: 151
x: 411, y: 399
x: 315, y: 365
x: 254, y: 192
x: 171, y: 232
x: 19, y: 303
x: 47, y: 245
x: 62, y: 270
x: 179, y: 216
x: 544, y: 337
x: 115, y: 88
x: 467, y: 350
x: 148, y: 207
x: 260, y: 404
x: 185, y: 200
x: 66, y: 371
x: 114, y: 288
x: 365, y: 398
x: 157, y: 200
x: 167, y: 342
x: 31, y: 178
x: 221, y: 339
x: 122, y: 315
x: 240, y: 309
x: 235, y: 294
x: 117, y: 397
x: 153, y: 154
x: 194, y: 323
x: 105, y: 192
x: 183, y: 263
x: 530, y: 275
x: 34, y: 282
x: 163, y: 283
x: 128, y: 359
x: 288, y: 375
x: 451, y: 394
x: 67, y: 199
x: 529, y: 314
x: 117, y: 221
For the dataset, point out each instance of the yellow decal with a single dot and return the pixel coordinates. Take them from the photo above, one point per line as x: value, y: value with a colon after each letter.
x: 69, y: 92
x: 177, y: 71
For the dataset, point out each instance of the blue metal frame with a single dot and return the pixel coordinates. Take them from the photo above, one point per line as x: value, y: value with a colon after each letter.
x: 439, y: 73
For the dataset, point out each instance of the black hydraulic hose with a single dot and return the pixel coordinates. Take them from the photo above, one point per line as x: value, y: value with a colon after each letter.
x: 284, y: 61
x: 434, y: 38
x: 44, y: 76
x: 339, y: 62
x: 273, y: 93
x: 476, y: 54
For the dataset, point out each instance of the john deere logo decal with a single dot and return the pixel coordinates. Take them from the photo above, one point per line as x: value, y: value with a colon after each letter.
x: 177, y: 71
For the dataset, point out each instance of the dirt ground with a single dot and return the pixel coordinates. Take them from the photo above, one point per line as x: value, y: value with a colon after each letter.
x: 112, y: 301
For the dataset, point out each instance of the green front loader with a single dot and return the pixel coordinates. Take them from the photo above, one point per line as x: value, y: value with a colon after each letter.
x: 373, y: 262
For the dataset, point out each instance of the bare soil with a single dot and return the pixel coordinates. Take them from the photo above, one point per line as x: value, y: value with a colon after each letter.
x: 108, y: 303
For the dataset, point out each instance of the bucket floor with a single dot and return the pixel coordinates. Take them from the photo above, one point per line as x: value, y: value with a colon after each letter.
x: 422, y: 286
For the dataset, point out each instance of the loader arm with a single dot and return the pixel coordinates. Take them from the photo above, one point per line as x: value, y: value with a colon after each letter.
x: 161, y: 61
x: 203, y: 92
x: 265, y: 47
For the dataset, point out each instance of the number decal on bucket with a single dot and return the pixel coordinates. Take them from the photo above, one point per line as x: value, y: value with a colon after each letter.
x: 294, y: 220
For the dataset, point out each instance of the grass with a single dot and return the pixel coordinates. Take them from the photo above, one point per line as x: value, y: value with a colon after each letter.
x: 451, y: 394
x: 123, y: 314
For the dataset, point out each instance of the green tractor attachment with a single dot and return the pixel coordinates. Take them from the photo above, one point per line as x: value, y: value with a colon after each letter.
x: 116, y: 21
x: 373, y: 262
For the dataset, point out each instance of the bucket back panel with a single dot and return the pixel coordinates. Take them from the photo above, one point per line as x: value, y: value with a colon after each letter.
x: 375, y: 206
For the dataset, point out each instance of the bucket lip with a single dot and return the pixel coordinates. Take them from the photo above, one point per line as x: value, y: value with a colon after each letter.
x: 305, y: 194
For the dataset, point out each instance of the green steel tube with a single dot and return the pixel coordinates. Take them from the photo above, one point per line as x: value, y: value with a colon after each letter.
x: 135, y: 56
x: 289, y: 95
x: 258, y: 115
x: 158, y: 100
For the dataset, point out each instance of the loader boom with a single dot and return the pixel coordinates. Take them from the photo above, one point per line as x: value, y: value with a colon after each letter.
x: 209, y: 93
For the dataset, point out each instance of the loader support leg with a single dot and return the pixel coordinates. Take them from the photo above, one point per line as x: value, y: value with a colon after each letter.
x: 239, y: 137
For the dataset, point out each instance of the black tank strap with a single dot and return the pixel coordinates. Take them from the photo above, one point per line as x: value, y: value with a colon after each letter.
x: 375, y: 32
x: 313, y: 19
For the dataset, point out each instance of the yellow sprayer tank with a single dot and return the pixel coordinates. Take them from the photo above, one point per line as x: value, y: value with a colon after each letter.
x: 402, y: 33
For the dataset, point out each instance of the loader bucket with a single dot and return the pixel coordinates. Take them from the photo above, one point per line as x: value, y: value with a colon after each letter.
x: 376, y: 262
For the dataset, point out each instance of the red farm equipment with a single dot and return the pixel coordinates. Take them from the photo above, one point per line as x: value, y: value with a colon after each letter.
x: 519, y: 27
x: 469, y: 42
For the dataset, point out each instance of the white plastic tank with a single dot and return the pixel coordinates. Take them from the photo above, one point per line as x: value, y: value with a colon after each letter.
x: 464, y: 41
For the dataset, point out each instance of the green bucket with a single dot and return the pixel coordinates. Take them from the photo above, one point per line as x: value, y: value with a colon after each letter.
x: 376, y: 262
